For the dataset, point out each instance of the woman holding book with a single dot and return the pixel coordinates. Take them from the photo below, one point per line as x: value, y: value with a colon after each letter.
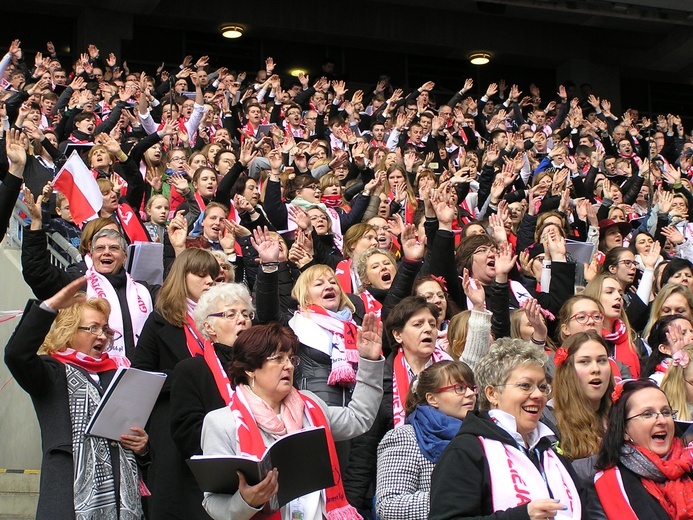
x: 265, y: 406
x: 82, y: 476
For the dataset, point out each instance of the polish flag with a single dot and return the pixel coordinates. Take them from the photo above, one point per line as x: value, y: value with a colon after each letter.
x: 77, y: 183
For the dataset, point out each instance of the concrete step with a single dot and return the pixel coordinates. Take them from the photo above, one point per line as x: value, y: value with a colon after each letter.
x: 18, y: 494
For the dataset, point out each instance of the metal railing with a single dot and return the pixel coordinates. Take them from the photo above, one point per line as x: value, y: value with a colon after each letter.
x: 63, y: 253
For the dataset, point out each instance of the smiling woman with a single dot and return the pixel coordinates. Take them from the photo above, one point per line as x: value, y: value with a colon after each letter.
x: 504, y: 446
x: 645, y: 468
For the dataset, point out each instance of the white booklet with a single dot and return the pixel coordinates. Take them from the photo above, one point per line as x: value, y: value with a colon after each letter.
x: 128, y: 401
x: 146, y: 262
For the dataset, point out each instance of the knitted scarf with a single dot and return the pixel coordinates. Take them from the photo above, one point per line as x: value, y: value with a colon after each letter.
x: 623, y: 348
x: 69, y: 356
x: 434, y: 430
x: 253, y: 415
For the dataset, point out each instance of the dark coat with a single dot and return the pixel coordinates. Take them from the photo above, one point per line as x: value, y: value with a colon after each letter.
x: 194, y: 394
x: 44, y: 379
x: 160, y: 348
x: 461, y: 481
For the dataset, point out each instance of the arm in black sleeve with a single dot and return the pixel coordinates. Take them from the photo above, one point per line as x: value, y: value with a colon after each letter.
x: 303, y: 98
x: 631, y: 189
x: 274, y: 207
x: 497, y: 302
x: 525, y: 233
x: 485, y: 182
x: 142, y: 146
x: 223, y: 194
x: 561, y: 288
x: 442, y: 263
x: 112, y: 120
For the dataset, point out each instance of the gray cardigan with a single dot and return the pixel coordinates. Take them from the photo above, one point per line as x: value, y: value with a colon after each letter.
x: 219, y: 433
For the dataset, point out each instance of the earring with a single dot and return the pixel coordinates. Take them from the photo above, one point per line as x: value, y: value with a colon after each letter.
x: 252, y: 383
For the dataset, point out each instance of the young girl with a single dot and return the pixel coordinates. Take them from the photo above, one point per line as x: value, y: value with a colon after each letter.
x: 157, y: 213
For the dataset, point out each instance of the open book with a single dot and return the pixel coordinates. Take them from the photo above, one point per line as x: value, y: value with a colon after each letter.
x: 128, y: 401
x: 302, y: 458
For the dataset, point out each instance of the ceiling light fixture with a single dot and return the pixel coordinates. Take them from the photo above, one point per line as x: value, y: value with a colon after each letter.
x: 479, y: 58
x: 297, y: 72
x: 232, y: 31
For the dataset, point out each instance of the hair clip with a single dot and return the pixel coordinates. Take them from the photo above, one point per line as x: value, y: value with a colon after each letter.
x: 560, y: 356
x: 680, y: 359
x: 616, y: 394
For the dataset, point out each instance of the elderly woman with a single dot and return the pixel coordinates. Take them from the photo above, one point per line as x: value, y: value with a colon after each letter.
x: 645, y: 469
x: 199, y: 384
x: 501, y: 459
x: 437, y: 403
x: 266, y: 402
x: 82, y: 476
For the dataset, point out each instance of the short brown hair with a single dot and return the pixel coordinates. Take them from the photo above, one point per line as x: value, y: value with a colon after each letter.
x: 254, y: 345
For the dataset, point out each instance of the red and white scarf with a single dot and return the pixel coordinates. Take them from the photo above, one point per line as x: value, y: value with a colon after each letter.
x: 401, y: 381
x: 515, y: 480
x: 92, y: 365
x: 343, y: 274
x: 370, y: 304
x: 343, y: 354
x: 197, y: 346
x: 624, y: 351
x: 138, y: 298
x: 296, y: 406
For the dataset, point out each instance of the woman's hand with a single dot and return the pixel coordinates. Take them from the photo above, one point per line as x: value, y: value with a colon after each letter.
x: 498, y: 232
x: 267, y: 249
x: 299, y: 217
x: 505, y: 261
x: 228, y: 237
x: 177, y: 231
x: 650, y: 259
x: 259, y: 494
x: 475, y: 292
x: 137, y: 441
x: 369, y: 341
x: 544, y: 508
x: 67, y: 296
x: 413, y: 248
x: 536, y: 319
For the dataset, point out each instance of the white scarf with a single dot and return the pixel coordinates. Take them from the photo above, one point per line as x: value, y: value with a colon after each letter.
x: 138, y: 298
x: 511, y: 469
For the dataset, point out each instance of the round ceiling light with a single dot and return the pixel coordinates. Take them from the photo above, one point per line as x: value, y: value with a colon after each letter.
x: 479, y: 58
x: 232, y: 31
x: 297, y: 72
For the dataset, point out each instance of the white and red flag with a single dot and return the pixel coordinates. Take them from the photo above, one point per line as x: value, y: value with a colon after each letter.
x: 77, y: 183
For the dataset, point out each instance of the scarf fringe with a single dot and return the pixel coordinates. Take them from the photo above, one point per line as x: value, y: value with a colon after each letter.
x: 352, y: 356
x: 344, y: 513
x: 342, y: 374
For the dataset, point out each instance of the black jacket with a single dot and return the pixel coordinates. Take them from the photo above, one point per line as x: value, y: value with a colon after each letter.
x: 461, y: 481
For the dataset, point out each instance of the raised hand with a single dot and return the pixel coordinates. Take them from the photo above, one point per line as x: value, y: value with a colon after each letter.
x: 299, y: 217
x: 412, y: 247
x: 536, y: 319
x: 505, y: 261
x: 474, y: 291
x: 68, y: 295
x: 369, y: 341
x: 267, y: 248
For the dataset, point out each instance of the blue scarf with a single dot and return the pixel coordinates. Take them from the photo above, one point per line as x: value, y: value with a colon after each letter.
x: 434, y: 430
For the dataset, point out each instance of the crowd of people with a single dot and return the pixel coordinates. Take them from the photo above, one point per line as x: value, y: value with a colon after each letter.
x: 484, y: 300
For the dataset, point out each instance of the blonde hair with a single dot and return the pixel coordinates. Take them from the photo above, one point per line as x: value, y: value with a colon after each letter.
x: 65, y: 325
x: 362, y: 264
x: 674, y: 386
x: 458, y: 328
x: 300, y: 290
x: 658, y: 303
x: 594, y: 289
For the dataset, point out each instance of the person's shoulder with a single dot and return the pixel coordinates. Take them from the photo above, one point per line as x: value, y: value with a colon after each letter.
x: 401, y: 436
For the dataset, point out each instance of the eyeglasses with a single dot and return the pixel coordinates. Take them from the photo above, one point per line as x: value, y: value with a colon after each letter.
x: 101, y: 248
x: 313, y: 187
x: 97, y: 330
x: 528, y: 388
x: 627, y: 263
x: 459, y: 389
x: 582, y: 317
x: 484, y: 250
x: 178, y: 158
x: 649, y: 414
x: 233, y: 314
x: 430, y: 296
x: 282, y: 360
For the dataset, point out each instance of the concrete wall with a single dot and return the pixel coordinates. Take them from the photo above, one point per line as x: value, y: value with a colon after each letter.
x: 20, y: 446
